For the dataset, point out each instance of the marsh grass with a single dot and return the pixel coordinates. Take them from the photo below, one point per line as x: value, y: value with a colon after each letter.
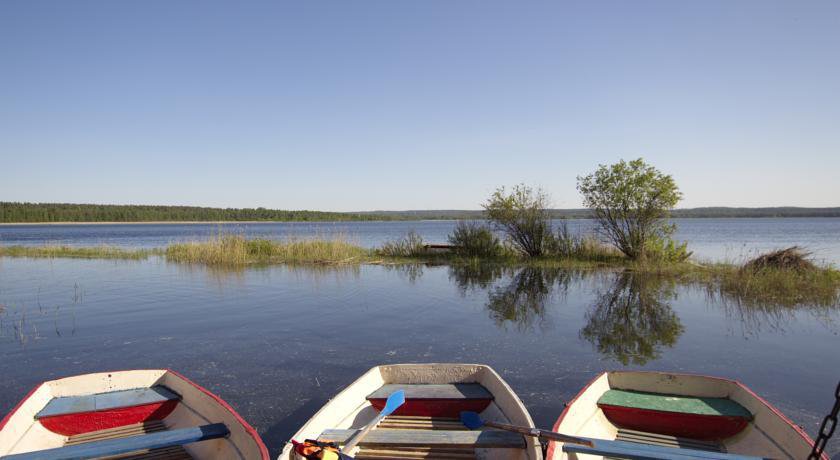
x: 97, y: 252
x: 236, y: 250
x: 778, y: 286
x: 583, y: 248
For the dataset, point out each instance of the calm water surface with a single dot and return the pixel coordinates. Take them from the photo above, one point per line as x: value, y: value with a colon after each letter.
x: 718, y: 239
x: 278, y: 342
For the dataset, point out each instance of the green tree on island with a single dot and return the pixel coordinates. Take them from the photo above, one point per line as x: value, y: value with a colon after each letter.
x: 631, y: 202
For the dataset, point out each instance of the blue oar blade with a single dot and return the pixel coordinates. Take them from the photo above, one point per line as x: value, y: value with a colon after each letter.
x: 394, y: 401
x: 471, y: 420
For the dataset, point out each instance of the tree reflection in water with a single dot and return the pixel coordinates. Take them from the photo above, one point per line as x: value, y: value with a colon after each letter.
x: 476, y: 276
x: 632, y: 320
x: 522, y: 301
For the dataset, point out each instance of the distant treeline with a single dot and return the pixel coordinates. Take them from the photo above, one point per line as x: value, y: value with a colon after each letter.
x: 65, y: 212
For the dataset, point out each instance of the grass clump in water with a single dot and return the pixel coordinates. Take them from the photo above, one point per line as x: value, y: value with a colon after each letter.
x: 470, y: 239
x: 411, y: 245
x: 236, y: 250
x: 54, y: 251
x: 785, y: 278
x: 579, y: 247
x: 792, y: 258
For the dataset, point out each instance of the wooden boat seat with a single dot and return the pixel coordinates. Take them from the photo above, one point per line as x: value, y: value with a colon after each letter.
x: 674, y: 403
x: 104, y: 401
x: 423, y: 391
x: 119, y: 446
x: 447, y: 400
x: 389, y: 438
x: 692, y: 417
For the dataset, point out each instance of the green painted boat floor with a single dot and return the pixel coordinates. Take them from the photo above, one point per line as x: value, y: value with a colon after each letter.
x: 674, y: 403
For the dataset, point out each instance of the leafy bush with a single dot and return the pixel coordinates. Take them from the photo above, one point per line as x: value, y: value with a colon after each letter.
x: 474, y: 240
x: 411, y: 245
x: 523, y: 216
x: 631, y: 202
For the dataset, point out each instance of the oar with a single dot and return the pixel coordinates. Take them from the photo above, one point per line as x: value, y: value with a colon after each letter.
x: 472, y: 421
x: 394, y: 401
x: 617, y: 449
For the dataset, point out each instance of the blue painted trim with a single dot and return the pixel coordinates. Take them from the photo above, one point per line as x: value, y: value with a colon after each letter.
x: 104, y: 401
x: 636, y: 451
x: 109, y: 447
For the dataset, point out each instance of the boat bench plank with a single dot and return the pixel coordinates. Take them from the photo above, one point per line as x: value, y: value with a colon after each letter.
x: 664, y: 440
x: 415, y: 454
x: 398, y: 422
x: 429, y: 438
x: 674, y: 403
x: 634, y: 451
x: 446, y: 391
x: 103, y: 401
x: 114, y: 447
x: 116, y: 433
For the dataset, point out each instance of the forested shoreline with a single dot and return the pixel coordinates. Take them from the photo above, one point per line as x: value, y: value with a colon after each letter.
x: 16, y: 212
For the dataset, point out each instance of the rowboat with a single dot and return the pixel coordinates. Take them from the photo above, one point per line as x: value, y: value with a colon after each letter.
x: 426, y: 425
x: 651, y: 414
x: 132, y: 414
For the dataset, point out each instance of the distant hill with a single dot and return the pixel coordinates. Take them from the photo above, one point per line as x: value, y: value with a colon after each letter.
x: 66, y: 212
x: 786, y: 211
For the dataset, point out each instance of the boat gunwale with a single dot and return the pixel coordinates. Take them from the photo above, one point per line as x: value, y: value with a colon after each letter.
x: 250, y: 430
x: 17, y: 406
x: 553, y: 444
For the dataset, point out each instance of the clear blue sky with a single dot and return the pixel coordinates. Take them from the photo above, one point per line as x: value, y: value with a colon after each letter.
x: 423, y: 104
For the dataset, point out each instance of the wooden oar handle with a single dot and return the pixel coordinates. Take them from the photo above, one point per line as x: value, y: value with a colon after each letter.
x: 537, y: 433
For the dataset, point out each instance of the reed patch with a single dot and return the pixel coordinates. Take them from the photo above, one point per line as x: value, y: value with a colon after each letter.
x: 236, y: 250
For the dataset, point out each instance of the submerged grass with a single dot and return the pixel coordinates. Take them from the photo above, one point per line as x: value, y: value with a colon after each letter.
x: 98, y: 252
x: 236, y: 250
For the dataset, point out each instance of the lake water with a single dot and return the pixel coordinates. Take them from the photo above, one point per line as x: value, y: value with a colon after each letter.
x: 277, y: 342
x: 710, y: 239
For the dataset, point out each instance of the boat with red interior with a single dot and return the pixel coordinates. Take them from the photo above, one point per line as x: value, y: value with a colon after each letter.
x: 426, y: 424
x: 133, y: 414
x: 634, y: 414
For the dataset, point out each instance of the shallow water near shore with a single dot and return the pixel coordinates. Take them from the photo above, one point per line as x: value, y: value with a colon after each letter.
x: 278, y: 342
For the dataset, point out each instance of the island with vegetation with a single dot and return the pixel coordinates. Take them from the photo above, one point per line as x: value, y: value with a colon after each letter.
x: 631, y: 202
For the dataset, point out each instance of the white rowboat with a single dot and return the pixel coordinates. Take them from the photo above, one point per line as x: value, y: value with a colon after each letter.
x: 133, y: 414
x: 426, y: 425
